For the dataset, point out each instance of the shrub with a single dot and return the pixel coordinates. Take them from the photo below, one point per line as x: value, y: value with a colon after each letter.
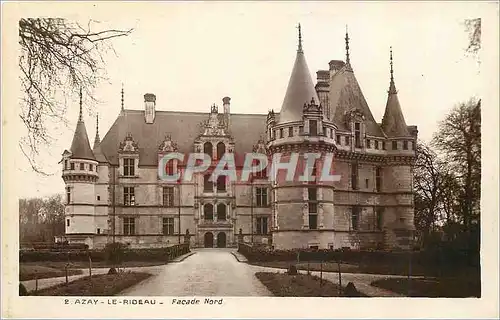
x: 112, y: 271
x: 292, y: 270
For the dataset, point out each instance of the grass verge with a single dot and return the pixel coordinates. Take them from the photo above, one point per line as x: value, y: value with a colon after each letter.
x: 31, y: 272
x: 300, y: 285
x: 101, y: 285
x: 96, y: 264
x: 433, y: 287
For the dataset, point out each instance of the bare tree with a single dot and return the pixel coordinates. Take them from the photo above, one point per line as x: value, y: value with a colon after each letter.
x: 58, y: 57
x: 473, y: 28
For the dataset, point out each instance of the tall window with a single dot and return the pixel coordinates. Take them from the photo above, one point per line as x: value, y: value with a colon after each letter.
x: 379, y: 217
x: 221, y: 183
x: 281, y: 133
x: 354, y: 176
x: 313, y: 221
x: 67, y: 222
x: 378, y: 179
x: 376, y: 144
x: 221, y: 211
x: 168, y: 226
x: 394, y: 145
x: 261, y: 194
x: 261, y: 225
x: 208, y: 186
x: 338, y: 139
x: 72, y: 166
x: 68, y: 195
x: 368, y: 143
x: 274, y: 134
x: 128, y: 167
x: 168, y: 196
x: 221, y: 149
x: 357, y: 135
x: 128, y: 226
x: 170, y: 167
x: 82, y: 166
x: 208, y: 210
x: 207, y: 149
x: 313, y: 127
x: 383, y: 145
x: 312, y: 194
x: 290, y: 131
x: 405, y: 145
x: 355, y: 218
x: 128, y: 196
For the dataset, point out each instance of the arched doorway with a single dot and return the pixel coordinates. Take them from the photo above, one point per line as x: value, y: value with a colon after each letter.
x: 221, y: 240
x: 209, y: 240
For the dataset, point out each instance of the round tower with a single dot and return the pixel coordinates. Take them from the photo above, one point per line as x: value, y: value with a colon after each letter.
x: 79, y: 172
x: 299, y: 140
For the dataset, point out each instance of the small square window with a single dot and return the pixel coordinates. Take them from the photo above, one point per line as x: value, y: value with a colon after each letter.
x: 98, y: 198
x: 98, y: 230
x: 367, y: 183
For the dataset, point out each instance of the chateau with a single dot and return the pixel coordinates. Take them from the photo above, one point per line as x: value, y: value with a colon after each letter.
x: 114, y: 192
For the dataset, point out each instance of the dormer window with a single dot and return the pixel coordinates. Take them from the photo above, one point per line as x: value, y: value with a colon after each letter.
x: 313, y: 127
x: 128, y: 167
x: 357, y: 135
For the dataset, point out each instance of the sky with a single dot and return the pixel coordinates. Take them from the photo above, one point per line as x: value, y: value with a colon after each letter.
x: 192, y: 54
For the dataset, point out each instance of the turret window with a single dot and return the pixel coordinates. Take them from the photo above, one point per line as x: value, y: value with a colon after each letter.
x: 290, y: 132
x: 354, y: 176
x: 338, y: 139
x: 82, y: 166
x: 355, y: 218
x: 72, y: 166
x: 376, y: 144
x: 66, y: 164
x: 281, y: 133
x: 368, y: 143
x: 405, y: 145
x: 394, y: 145
x: 347, y: 140
x: 357, y: 135
x: 301, y: 129
x: 128, y: 167
x: 91, y: 167
x: 383, y: 145
x: 68, y: 195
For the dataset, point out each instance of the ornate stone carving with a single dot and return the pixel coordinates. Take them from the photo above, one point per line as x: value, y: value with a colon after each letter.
x: 312, y: 107
x: 354, y: 115
x: 216, y: 125
x: 128, y: 145
x: 260, y: 146
x: 167, y: 145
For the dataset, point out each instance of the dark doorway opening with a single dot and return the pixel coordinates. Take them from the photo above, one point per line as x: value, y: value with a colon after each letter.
x: 221, y: 240
x: 209, y: 240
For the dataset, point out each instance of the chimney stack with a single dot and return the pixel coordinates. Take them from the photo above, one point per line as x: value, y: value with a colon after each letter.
x: 149, y: 107
x: 226, y: 103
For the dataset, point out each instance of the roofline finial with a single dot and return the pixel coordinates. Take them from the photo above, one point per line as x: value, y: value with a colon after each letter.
x: 97, y: 139
x: 123, y: 99
x: 347, y: 59
x: 300, y: 38
x: 392, y: 85
x: 80, y: 117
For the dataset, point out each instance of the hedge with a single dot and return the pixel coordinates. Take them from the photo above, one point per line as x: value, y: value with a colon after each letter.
x: 157, y: 254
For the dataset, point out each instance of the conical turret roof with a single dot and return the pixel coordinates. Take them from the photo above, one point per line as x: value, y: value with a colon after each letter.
x: 80, y: 147
x: 300, y: 88
x: 393, y: 122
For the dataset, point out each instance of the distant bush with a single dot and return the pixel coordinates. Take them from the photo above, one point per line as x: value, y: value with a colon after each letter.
x: 22, y: 290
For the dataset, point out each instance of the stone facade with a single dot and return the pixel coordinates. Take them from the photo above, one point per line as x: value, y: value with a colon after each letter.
x: 115, y: 194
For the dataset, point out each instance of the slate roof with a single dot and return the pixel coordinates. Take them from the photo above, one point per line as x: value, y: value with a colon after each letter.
x: 300, y: 90
x: 80, y: 146
x: 183, y: 128
x: 346, y: 95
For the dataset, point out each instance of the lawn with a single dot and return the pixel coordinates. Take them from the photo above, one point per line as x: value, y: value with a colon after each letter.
x: 84, y: 264
x: 433, y: 287
x: 101, y: 285
x: 311, y: 266
x: 34, y: 271
x: 300, y: 285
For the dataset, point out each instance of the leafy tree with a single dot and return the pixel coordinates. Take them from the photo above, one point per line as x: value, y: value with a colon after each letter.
x: 459, y: 140
x: 57, y: 58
